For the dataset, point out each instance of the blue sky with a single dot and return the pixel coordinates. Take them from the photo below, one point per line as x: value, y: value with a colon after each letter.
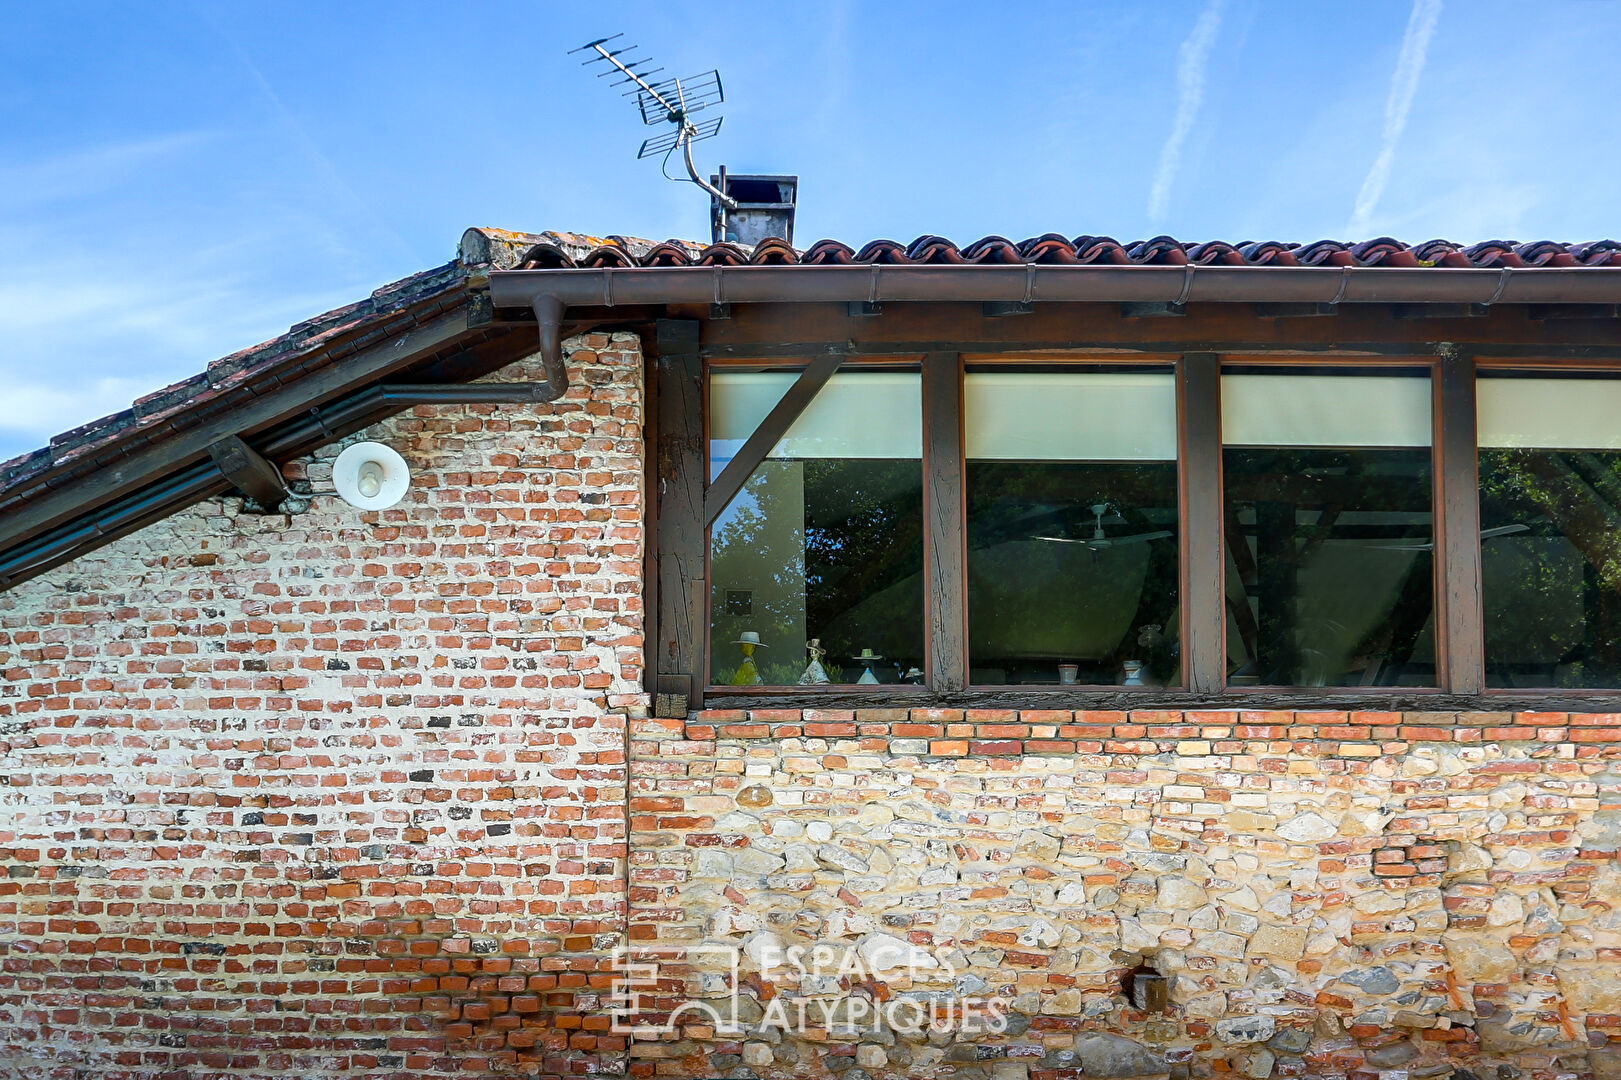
x: 178, y: 182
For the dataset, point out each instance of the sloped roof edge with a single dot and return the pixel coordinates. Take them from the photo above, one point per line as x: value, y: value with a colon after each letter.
x: 484, y: 249
x: 327, y: 339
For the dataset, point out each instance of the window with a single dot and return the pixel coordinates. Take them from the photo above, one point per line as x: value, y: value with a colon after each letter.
x: 1071, y: 527
x: 1550, y: 539
x: 931, y: 530
x: 1328, y: 498
x: 824, y: 543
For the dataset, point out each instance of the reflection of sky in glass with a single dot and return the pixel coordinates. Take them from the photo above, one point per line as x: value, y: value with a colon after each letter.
x: 744, y: 500
x: 721, y: 453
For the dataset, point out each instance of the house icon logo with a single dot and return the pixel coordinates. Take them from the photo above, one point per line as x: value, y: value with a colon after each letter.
x: 660, y: 991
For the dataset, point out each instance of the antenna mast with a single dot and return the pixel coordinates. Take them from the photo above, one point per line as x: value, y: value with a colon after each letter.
x: 671, y: 101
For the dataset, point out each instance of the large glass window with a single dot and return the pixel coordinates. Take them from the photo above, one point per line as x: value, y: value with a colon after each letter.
x: 1070, y: 517
x: 1072, y: 527
x: 824, y: 544
x: 1550, y: 510
x: 1328, y: 501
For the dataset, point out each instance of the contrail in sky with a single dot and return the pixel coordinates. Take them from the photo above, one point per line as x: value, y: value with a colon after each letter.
x: 1415, y: 46
x: 1190, y: 72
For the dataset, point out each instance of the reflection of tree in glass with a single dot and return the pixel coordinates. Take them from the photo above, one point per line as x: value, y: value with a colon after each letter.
x: 754, y: 529
x: 1014, y: 501
x: 1293, y: 501
x: 1575, y: 494
x: 834, y: 565
x: 864, y: 557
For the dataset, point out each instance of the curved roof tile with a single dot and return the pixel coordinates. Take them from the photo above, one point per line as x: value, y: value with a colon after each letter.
x: 497, y: 249
x: 882, y: 252
x: 563, y: 250
x: 828, y: 253
x: 568, y: 250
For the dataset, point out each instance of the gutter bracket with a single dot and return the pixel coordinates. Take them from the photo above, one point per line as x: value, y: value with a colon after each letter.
x: 1181, y: 301
x: 1339, y: 294
x: 1502, y: 283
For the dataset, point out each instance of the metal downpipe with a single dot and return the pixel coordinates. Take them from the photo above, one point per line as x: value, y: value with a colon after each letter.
x: 549, y: 314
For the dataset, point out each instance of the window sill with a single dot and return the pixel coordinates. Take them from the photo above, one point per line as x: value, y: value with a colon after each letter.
x: 1159, y: 699
x: 778, y: 693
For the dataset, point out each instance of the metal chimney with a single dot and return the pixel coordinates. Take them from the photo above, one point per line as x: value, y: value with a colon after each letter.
x: 764, y: 207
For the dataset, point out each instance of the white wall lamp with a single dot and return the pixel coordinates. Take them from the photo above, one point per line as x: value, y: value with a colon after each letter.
x: 370, y: 476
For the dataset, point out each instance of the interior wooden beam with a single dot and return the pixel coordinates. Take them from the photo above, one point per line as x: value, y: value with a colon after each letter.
x: 768, y: 434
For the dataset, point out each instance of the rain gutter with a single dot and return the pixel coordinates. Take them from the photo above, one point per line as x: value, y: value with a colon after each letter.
x: 877, y: 283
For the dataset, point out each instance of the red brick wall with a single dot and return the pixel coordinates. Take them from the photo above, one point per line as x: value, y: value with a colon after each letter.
x: 336, y: 793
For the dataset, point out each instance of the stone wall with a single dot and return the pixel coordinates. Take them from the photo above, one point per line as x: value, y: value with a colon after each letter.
x: 336, y: 794
x: 1327, y: 894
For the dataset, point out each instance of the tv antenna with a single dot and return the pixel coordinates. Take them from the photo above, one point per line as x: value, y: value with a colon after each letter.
x: 666, y: 101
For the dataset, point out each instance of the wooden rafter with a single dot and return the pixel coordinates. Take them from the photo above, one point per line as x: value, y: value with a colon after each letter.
x: 254, y: 476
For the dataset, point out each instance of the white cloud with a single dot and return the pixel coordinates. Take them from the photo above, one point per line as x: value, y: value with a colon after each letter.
x: 64, y: 354
x: 1415, y: 47
x: 38, y: 410
x: 76, y: 175
x: 1190, y: 76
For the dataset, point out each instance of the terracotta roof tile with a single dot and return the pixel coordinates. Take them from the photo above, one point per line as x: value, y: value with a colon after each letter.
x: 508, y: 251
x: 305, y: 346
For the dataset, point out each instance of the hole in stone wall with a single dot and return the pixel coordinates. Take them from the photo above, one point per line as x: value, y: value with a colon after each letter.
x: 1141, y: 983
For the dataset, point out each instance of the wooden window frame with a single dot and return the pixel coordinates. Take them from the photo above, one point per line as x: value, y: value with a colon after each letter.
x: 680, y: 508
x: 1511, y: 698
x: 814, y: 372
x: 1444, y: 401
x: 1079, y: 361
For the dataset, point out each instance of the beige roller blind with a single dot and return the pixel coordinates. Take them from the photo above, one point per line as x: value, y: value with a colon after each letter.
x: 1549, y: 414
x: 1325, y: 410
x: 876, y: 414
x: 1070, y: 416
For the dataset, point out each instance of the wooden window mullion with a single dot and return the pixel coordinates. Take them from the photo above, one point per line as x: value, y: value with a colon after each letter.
x: 1204, y: 598
x: 1461, y: 648
x: 945, y: 548
x: 677, y: 656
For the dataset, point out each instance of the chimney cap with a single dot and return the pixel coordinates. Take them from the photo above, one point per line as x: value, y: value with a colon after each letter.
x: 766, y: 204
